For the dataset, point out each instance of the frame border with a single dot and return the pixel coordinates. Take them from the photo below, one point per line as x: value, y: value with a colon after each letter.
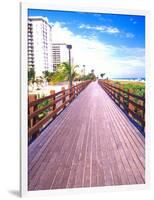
x: 24, y: 6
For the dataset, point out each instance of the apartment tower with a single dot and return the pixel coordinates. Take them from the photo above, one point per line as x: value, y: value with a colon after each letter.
x: 40, y: 56
x: 56, y: 51
x: 60, y: 54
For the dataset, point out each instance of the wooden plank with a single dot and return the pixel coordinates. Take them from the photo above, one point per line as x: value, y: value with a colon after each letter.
x: 129, y: 153
x: 52, y: 168
x: 62, y: 165
x: 67, y: 162
x: 78, y: 159
x: 136, y: 157
x: 41, y: 155
x: 131, y: 129
x: 91, y: 143
x: 50, y: 163
x: 37, y: 149
x: 110, y: 152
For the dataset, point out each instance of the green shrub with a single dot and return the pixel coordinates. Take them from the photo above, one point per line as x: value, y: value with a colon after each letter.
x: 43, y: 104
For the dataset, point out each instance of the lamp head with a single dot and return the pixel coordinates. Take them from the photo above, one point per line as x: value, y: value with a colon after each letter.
x: 69, y: 46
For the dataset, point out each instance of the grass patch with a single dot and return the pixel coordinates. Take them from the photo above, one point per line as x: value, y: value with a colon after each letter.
x: 138, y: 88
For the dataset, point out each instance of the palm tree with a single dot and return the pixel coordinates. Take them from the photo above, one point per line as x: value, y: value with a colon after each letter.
x: 92, y: 71
x: 102, y: 75
x: 31, y: 74
x: 48, y: 75
x: 65, y: 73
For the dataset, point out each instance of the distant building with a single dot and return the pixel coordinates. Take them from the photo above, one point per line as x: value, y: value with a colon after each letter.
x: 56, y: 56
x: 60, y: 54
x: 40, y: 56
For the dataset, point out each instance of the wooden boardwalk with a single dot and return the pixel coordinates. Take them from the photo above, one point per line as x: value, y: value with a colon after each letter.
x: 91, y: 143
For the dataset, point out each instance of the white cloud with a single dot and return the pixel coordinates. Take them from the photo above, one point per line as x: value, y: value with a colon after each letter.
x: 129, y: 35
x: 105, y: 29
x: 112, y: 60
x: 132, y: 20
x: 108, y: 30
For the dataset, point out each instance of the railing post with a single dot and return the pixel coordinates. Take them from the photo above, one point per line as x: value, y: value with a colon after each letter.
x: 112, y: 85
x: 114, y: 92
x: 73, y: 91
x: 79, y: 88
x: 63, y: 94
x: 122, y: 95
x: 83, y: 86
x: 142, y: 103
x: 130, y: 105
x: 31, y: 97
x: 110, y: 89
x: 144, y: 114
x: 52, y: 92
x: 118, y: 92
x: 76, y: 90
x: 70, y: 92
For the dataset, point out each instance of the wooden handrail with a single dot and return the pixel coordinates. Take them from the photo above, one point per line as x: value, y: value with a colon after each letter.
x: 132, y: 102
x: 36, y: 102
x: 128, y: 93
x: 56, y: 102
x: 126, y: 101
x: 38, y: 111
x: 40, y: 123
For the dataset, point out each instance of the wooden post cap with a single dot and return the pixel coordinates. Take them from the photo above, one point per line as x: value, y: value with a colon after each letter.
x: 52, y: 91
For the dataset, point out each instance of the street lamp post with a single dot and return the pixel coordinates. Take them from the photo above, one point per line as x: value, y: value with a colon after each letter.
x: 84, y: 70
x: 69, y: 47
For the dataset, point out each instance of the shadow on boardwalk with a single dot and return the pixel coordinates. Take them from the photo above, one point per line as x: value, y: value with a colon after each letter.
x: 91, y: 143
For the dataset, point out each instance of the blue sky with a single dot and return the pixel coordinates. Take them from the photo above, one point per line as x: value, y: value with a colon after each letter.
x: 122, y: 37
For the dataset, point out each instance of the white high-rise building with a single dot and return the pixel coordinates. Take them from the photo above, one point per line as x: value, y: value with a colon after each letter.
x: 60, y: 54
x: 56, y: 56
x: 39, y: 45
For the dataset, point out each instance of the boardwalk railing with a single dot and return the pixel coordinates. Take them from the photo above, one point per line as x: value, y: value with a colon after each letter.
x: 133, y: 105
x: 43, y: 110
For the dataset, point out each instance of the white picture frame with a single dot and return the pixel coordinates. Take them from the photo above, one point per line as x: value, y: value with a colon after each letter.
x: 23, y: 136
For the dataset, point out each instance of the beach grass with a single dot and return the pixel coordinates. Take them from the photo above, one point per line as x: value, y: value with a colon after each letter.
x: 138, y: 88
